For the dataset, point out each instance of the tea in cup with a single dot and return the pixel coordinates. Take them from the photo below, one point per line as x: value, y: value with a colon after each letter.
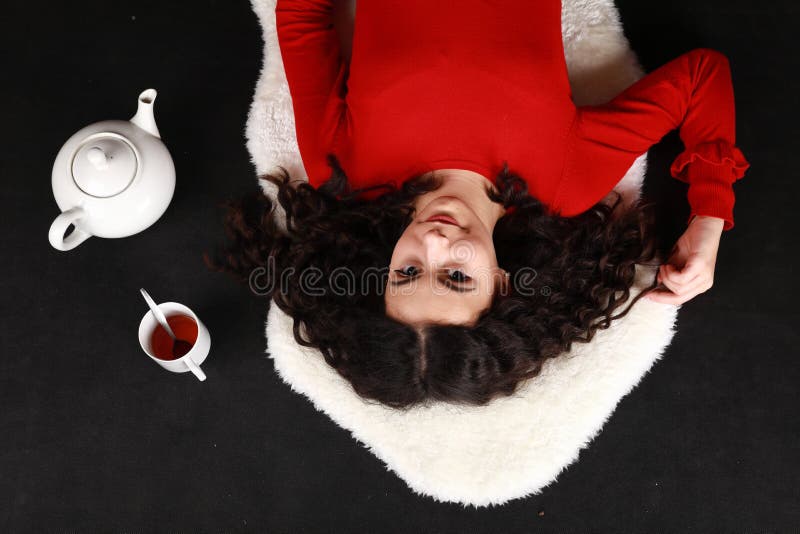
x: 184, y: 355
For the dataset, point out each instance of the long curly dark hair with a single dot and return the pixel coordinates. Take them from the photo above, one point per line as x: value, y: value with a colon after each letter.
x: 584, y: 270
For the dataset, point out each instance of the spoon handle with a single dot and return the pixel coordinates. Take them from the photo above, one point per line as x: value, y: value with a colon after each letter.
x: 159, y: 315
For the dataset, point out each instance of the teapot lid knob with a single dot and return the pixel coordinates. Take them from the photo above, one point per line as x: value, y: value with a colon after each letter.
x: 97, y: 158
x: 104, y: 165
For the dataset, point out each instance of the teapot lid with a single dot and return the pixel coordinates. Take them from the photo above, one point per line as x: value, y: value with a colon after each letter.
x: 104, y: 165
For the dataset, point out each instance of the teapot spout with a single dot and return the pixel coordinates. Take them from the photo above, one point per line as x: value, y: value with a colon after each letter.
x: 144, y: 117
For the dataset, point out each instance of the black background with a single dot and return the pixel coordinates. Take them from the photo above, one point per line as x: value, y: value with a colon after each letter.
x: 96, y: 437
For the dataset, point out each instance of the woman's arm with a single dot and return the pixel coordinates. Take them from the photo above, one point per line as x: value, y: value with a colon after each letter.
x: 693, y: 92
x: 316, y: 74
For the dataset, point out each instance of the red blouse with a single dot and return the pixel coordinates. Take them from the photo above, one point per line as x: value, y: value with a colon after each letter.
x: 432, y: 87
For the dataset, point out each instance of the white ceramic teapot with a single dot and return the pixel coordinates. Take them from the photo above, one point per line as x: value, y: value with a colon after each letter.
x: 112, y: 178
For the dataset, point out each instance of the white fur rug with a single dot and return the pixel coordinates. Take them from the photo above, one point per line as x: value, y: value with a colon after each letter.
x: 517, y: 445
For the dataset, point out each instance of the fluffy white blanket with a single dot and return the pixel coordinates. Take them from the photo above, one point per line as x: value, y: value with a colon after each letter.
x: 517, y: 445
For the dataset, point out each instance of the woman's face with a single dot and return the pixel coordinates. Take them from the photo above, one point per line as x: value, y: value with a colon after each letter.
x: 443, y: 268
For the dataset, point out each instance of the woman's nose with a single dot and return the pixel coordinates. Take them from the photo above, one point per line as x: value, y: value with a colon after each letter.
x: 437, y: 246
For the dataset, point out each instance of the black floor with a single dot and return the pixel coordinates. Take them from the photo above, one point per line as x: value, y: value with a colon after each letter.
x: 94, y: 437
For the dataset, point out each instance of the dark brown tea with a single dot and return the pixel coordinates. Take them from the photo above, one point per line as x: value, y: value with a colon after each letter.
x: 184, y: 327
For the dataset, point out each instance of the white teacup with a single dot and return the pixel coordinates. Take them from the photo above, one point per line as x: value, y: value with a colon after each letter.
x: 191, y: 360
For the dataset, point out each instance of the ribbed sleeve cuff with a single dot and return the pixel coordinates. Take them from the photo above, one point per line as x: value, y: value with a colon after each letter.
x: 710, y: 169
x: 713, y: 199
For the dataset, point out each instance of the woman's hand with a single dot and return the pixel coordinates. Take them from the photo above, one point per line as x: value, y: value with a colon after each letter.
x: 689, y: 270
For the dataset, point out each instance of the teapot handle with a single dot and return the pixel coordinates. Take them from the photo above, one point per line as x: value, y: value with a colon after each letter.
x: 60, y: 226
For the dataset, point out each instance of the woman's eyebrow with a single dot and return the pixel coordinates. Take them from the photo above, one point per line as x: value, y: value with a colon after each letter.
x: 461, y: 289
x: 457, y: 289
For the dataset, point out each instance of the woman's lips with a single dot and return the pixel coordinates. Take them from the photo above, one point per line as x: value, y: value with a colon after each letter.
x: 443, y: 219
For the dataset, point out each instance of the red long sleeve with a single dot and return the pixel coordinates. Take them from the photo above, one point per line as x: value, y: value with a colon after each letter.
x: 693, y: 93
x: 431, y: 87
x: 316, y: 75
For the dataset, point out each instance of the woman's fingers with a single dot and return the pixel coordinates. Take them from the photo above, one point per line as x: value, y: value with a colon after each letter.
x: 679, y: 294
x: 696, y: 250
x: 667, y: 274
x: 668, y: 298
x: 694, y: 266
x: 672, y: 298
x: 680, y: 291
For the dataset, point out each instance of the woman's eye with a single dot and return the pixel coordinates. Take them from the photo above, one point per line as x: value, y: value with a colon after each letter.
x: 410, y: 270
x: 457, y: 276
